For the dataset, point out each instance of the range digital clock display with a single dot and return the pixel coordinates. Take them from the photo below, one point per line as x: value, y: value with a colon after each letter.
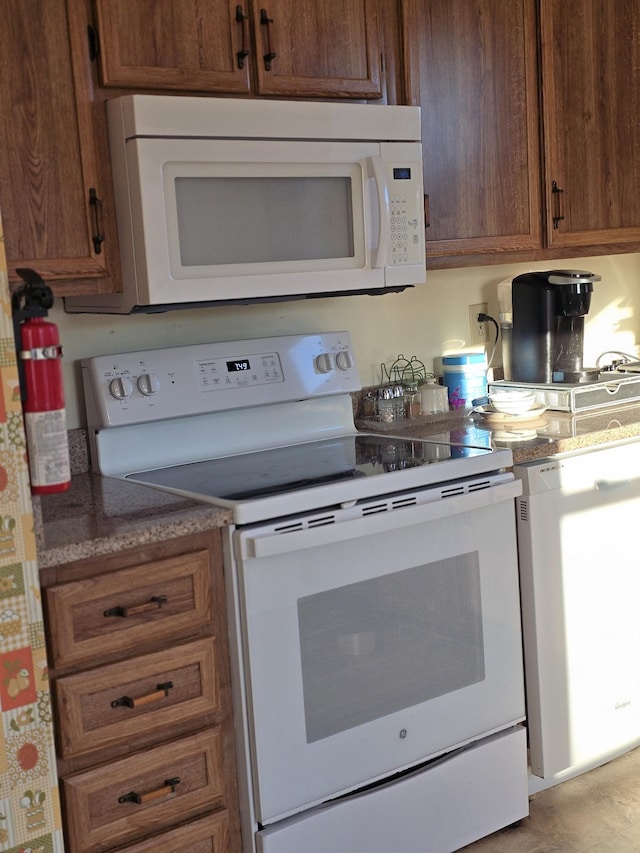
x: 243, y: 371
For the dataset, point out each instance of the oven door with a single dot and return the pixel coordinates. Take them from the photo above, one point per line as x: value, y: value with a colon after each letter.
x: 371, y: 643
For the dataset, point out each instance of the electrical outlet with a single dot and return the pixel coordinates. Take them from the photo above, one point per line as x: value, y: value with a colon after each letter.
x: 478, y: 333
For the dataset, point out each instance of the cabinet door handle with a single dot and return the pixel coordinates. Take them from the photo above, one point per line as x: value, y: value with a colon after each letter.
x: 160, y: 692
x: 169, y: 787
x: 270, y: 55
x: 427, y: 212
x: 558, y: 196
x: 154, y: 603
x: 241, y: 18
x: 98, y: 236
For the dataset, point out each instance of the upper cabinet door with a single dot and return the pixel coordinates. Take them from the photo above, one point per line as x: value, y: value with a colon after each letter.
x: 174, y: 44
x: 55, y: 180
x: 317, y: 48
x: 472, y: 68
x: 294, y: 48
x: 591, y: 110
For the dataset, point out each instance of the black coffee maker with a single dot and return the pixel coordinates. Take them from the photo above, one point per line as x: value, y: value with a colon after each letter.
x: 548, y: 326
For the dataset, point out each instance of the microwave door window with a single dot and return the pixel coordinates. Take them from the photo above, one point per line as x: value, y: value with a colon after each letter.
x: 274, y: 220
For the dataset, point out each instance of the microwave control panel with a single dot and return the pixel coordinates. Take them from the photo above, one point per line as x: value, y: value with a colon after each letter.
x: 405, y: 214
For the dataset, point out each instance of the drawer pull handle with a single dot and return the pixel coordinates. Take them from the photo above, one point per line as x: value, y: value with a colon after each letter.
x: 127, y: 702
x: 154, y: 604
x: 169, y: 787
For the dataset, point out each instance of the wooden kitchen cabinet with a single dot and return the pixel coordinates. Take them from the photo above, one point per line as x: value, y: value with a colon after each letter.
x: 109, y: 704
x: 141, y: 694
x: 320, y: 48
x: 472, y: 68
x: 305, y: 49
x: 127, y: 799
x: 56, y: 194
x: 208, y: 834
x: 530, y: 113
x: 590, y: 65
x: 55, y: 179
x: 95, y: 618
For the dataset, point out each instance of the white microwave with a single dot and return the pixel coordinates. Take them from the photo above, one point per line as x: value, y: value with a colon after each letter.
x: 232, y: 201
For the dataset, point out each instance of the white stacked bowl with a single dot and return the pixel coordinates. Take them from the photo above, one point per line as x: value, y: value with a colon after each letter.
x: 512, y: 402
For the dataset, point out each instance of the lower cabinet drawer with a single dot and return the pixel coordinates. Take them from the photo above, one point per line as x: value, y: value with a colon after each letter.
x: 111, y: 615
x: 209, y: 834
x: 116, y: 703
x: 132, y: 798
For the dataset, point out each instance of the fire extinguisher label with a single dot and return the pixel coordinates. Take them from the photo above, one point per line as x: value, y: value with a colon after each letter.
x: 48, y: 447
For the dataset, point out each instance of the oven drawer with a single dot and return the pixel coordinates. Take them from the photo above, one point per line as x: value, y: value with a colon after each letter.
x: 209, y: 834
x: 115, y: 614
x: 124, y: 700
x: 129, y: 799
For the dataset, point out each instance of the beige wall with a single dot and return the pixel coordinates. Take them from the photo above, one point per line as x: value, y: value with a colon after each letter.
x: 424, y: 321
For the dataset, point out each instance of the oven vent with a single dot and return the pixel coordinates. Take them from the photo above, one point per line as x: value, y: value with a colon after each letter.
x: 523, y: 510
x: 321, y: 521
x: 386, y: 503
x: 289, y: 528
x: 390, y: 504
x: 452, y: 491
x: 464, y: 488
x: 399, y: 503
x: 479, y: 485
x: 305, y: 523
x: 373, y: 509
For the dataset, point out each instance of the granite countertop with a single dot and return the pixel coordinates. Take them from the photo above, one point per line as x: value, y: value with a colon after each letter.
x: 101, y: 515
x: 552, y: 433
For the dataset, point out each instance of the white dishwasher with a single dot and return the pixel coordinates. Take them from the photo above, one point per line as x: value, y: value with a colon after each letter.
x: 578, y: 544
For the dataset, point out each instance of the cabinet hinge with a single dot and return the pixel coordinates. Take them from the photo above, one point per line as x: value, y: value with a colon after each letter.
x: 94, y: 43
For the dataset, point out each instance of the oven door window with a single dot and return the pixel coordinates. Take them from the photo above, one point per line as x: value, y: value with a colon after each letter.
x: 371, y: 648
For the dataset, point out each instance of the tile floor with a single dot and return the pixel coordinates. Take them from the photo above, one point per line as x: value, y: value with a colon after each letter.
x: 598, y: 812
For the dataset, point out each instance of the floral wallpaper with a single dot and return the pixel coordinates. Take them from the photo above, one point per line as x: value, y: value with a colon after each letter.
x: 29, y: 804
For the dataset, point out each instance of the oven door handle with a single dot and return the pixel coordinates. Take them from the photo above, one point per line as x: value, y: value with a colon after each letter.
x: 256, y: 544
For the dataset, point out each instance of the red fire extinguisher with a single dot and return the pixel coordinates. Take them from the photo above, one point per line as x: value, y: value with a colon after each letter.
x: 40, y: 370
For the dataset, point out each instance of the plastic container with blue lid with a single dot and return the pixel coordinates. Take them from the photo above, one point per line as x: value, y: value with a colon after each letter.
x: 465, y: 377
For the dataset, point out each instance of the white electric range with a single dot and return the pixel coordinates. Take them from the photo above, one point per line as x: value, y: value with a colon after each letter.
x: 372, y: 587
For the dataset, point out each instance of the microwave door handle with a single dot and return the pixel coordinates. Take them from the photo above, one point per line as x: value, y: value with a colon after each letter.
x: 382, y: 251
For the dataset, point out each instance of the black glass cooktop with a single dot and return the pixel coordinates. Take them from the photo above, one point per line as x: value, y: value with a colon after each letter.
x: 303, y: 466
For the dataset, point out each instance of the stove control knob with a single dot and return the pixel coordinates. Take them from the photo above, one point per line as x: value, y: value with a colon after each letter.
x: 148, y: 384
x: 121, y: 388
x: 344, y: 361
x: 324, y: 363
